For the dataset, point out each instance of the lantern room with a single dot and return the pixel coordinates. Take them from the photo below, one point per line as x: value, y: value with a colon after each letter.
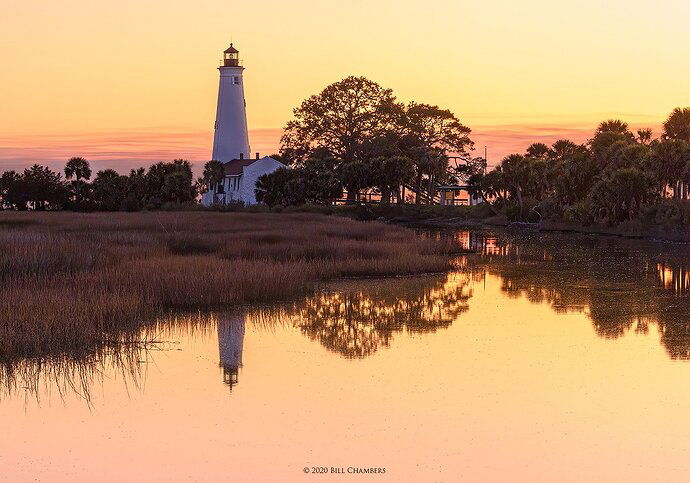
x: 231, y: 57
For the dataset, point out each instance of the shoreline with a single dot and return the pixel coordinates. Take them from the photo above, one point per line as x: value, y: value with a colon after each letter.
x: 545, y: 227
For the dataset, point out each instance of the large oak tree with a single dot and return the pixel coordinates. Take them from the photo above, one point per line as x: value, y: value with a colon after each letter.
x: 339, y: 119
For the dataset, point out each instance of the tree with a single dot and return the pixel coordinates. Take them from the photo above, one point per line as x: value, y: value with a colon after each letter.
x: 356, y: 176
x: 613, y: 126
x: 356, y: 121
x: 538, y: 151
x: 79, y: 190
x: 462, y: 172
x: 78, y: 168
x: 490, y: 186
x: 214, y: 173
x: 313, y: 182
x: 136, y: 191
x: 389, y: 174
x: 644, y: 136
x: 564, y: 148
x: 575, y: 177
x: 178, y: 187
x: 339, y: 120
x: 610, y: 136
x: 11, y: 191
x: 109, y: 190
x: 431, y: 135
x: 169, y: 183
x: 620, y: 195
x: 516, y: 176
x: 273, y: 189
x: 437, y: 128
x: 667, y: 160
x: 319, y: 180
x: 431, y: 166
x: 677, y: 126
x: 42, y: 188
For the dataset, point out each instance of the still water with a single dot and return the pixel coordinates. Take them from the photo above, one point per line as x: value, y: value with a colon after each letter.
x: 543, y: 357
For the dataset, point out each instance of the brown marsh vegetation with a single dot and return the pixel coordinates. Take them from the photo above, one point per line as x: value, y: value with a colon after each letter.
x: 72, y: 283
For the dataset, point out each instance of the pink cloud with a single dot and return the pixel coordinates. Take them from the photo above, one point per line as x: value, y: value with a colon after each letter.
x: 126, y: 149
x: 508, y: 139
x: 120, y: 150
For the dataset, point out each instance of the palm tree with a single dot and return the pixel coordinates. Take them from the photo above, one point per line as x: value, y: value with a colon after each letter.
x: 538, y: 151
x: 644, y: 136
x: 563, y: 148
x: 214, y: 173
x: 516, y: 174
x: 78, y: 168
x: 677, y: 126
x: 613, y: 126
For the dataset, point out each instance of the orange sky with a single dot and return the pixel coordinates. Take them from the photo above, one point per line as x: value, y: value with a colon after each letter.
x: 130, y: 82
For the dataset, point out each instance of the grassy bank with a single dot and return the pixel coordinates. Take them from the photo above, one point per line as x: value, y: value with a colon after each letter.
x: 365, y: 212
x: 74, y: 281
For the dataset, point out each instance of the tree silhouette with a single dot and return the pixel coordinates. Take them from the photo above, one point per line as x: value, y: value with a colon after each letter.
x: 109, y: 190
x: 42, y: 188
x: 538, y: 151
x: 677, y: 126
x: 339, y: 119
x: 77, y: 168
x: 214, y: 173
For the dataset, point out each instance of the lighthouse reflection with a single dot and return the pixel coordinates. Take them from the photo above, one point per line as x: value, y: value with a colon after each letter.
x: 353, y: 319
x: 230, y: 344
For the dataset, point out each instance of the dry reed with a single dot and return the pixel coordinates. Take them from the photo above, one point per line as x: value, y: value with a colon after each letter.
x: 72, y: 282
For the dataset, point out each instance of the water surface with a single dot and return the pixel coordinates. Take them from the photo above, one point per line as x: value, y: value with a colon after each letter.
x: 542, y: 358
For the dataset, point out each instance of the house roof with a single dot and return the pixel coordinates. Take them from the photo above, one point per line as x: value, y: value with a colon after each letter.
x: 235, y: 167
x: 231, y: 50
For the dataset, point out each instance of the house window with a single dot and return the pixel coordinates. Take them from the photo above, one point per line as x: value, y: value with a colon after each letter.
x: 235, y: 80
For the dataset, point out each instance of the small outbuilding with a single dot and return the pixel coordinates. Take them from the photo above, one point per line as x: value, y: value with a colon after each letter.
x: 240, y: 180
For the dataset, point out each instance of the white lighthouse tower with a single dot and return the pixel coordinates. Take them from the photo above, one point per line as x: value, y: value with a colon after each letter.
x: 231, y: 140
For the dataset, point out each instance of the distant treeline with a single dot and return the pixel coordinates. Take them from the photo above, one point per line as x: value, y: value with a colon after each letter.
x: 40, y: 188
x: 355, y: 137
x: 616, y: 176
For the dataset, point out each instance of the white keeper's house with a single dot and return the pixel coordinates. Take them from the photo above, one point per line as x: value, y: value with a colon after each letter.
x: 231, y: 140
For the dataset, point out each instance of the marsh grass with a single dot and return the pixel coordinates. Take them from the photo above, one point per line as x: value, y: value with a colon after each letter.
x: 72, y: 282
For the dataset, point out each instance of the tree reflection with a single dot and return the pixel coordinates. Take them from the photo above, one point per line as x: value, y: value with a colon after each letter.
x: 361, y: 317
x: 621, y: 284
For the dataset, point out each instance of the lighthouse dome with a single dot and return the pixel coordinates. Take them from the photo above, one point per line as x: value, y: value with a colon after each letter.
x: 231, y: 50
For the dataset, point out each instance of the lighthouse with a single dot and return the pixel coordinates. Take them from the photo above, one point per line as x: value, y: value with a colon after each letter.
x: 230, y: 139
